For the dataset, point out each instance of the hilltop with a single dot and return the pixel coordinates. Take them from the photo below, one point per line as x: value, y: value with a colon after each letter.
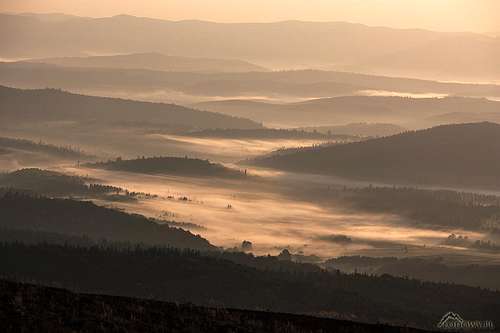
x: 169, y: 165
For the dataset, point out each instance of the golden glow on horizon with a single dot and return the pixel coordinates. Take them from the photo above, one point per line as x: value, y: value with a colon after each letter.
x: 443, y: 15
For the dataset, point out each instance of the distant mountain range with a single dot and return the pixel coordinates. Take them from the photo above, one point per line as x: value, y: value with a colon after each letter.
x: 18, y: 106
x: 289, y: 44
x: 154, y: 61
x: 463, y: 155
x: 412, y: 112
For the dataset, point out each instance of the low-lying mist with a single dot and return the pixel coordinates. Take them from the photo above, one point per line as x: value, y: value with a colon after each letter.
x: 258, y: 210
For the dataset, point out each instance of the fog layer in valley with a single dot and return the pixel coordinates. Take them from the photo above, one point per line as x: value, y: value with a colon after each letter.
x: 263, y: 212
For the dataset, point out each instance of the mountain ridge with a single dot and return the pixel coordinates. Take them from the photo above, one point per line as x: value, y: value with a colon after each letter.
x: 288, y: 44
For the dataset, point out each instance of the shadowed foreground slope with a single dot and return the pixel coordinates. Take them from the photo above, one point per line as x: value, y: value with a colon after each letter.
x: 25, y: 307
x: 187, y: 276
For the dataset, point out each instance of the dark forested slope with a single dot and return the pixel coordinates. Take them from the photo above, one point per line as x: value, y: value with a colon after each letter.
x: 438, y: 208
x: 65, y: 216
x: 454, y: 155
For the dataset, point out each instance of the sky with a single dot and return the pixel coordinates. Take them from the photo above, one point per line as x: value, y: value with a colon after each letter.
x: 440, y: 15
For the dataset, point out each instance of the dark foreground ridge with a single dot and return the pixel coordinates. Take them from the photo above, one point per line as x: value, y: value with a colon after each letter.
x: 29, y: 308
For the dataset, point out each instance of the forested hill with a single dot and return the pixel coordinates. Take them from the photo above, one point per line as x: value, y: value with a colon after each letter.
x: 27, y: 106
x: 170, y: 165
x: 454, y: 155
x: 50, y: 309
x: 81, y: 218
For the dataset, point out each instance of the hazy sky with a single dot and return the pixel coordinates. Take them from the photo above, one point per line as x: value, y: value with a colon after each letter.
x: 445, y: 15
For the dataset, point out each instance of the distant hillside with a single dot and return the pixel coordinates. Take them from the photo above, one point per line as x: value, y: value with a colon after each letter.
x: 154, y: 61
x: 464, y: 117
x: 422, y: 268
x: 298, y: 83
x: 18, y: 106
x: 285, y: 44
x: 29, y: 307
x: 435, y: 208
x: 169, y: 165
x: 266, y: 133
x: 359, y: 129
x: 15, y: 144
x: 57, y: 184
x: 44, y: 182
x: 454, y: 155
x: 78, y: 218
x: 349, y: 109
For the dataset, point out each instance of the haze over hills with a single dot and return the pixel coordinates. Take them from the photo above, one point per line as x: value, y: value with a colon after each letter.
x: 190, y: 87
x: 154, y: 61
x: 464, y: 117
x: 284, y: 44
x: 412, y: 112
x: 447, y: 58
x: 20, y: 106
x: 450, y: 155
